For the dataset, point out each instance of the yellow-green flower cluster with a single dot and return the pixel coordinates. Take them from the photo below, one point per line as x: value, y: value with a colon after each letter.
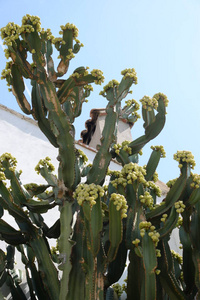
x: 117, y: 148
x: 179, y: 222
x: 124, y: 146
x: 158, y: 254
x: 88, y: 87
x: 179, y: 206
x: 121, y: 204
x: 30, y: 186
x: 155, y: 177
x: 124, y: 286
x: 146, y: 199
x: 75, y: 74
x: 99, y: 76
x: 185, y: 156
x: 10, y: 33
x: 164, y: 217
x: 79, y: 75
x: 104, y: 208
x: 48, y: 35
x: 137, y: 116
x: 182, y: 276
x: 118, y: 289
x: 151, y: 185
x: 54, y: 250
x: 132, y: 111
x: 58, y: 41
x: 88, y: 192
x: 12, y: 161
x: 159, y: 148
x: 130, y: 73
x: 133, y: 172
x: 157, y: 271
x: 133, y: 102
x: 70, y: 55
x: 83, y: 156
x: 136, y: 242
x: 89, y: 165
x: 111, y: 84
x: 177, y: 256
x: 140, y: 152
x: 171, y: 182
x: 114, y: 173
x: 149, y: 103
x: 44, y: 163
x: 147, y: 226
x: 2, y: 176
x: 105, y: 187
x: 118, y: 181
x: 7, y: 71
x: 69, y: 26
x: 78, y: 42
x: 195, y: 181
x: 7, y: 53
x: 163, y: 96
x: 26, y: 29
x: 33, y: 65
x: 34, y: 20
x: 181, y: 246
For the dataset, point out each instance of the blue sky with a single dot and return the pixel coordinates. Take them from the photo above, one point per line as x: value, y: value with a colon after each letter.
x: 160, y: 39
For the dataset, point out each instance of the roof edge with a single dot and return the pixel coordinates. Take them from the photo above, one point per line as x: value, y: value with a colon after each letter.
x: 19, y: 115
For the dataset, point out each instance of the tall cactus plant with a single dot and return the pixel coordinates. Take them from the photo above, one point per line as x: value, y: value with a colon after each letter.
x: 99, y: 226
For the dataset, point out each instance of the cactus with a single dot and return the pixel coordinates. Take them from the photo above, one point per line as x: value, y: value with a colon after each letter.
x: 99, y: 226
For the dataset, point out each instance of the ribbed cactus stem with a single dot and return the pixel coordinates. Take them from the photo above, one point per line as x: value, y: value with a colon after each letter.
x: 47, y: 268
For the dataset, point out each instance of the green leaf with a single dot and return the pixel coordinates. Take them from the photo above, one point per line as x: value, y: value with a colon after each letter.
x: 8, y: 203
x: 96, y: 226
x: 63, y: 131
x: 20, y: 193
x: 148, y: 116
x: 172, y: 196
x: 124, y: 87
x: 45, y: 265
x: 167, y: 275
x: 11, y: 235
x: 50, y: 63
x: 115, y: 231
x: 65, y: 248
x: 77, y: 275
x: 194, y: 197
x: 103, y: 156
x: 10, y: 257
x: 150, y: 264
x: 117, y: 266
x: 18, y: 90
x: 40, y: 115
x: 170, y: 223
x: 135, y: 276
x: 2, y: 261
x: 152, y: 164
x: 152, y: 128
x: 39, y: 206
x: 65, y: 89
